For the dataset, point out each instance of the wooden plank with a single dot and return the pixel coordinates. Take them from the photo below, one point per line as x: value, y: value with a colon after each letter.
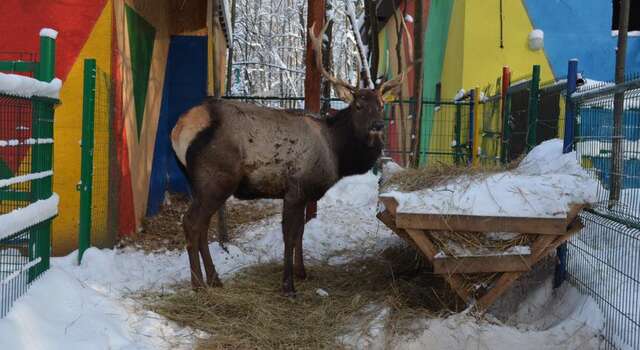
x: 456, y: 284
x: 482, y: 264
x: 474, y: 223
x: 390, y: 204
x: 423, y: 242
x: 504, y: 282
x: 387, y: 219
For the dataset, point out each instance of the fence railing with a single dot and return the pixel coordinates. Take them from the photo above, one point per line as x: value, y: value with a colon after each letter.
x: 27, y: 204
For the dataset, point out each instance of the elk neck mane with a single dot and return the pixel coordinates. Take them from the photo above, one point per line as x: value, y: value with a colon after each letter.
x: 354, y: 155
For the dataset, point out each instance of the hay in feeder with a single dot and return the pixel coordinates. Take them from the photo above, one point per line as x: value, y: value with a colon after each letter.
x: 458, y: 244
x: 409, y: 180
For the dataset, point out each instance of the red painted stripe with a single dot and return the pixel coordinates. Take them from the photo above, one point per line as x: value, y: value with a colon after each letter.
x: 21, y: 21
x: 126, y: 219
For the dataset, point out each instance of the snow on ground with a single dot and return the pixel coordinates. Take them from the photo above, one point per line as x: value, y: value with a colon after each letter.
x: 87, y: 306
x: 545, y: 184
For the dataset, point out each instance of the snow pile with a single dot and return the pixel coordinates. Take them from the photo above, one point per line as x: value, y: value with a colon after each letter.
x: 545, y: 184
x: 547, y: 319
x: 22, y: 86
x: 22, y: 218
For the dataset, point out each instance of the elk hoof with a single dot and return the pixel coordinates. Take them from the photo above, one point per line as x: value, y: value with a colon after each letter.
x: 215, y: 283
x: 300, y: 274
x: 289, y: 294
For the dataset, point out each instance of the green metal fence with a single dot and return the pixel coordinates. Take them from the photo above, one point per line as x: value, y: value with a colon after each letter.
x: 27, y: 203
x: 97, y: 226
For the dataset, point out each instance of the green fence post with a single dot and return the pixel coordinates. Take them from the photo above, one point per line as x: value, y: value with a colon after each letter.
x: 86, y: 170
x: 457, y: 130
x: 534, y: 108
x: 42, y: 156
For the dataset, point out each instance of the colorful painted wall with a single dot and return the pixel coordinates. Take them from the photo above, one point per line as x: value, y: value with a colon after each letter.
x: 581, y: 29
x: 467, y: 42
x: 389, y: 65
x: 130, y: 41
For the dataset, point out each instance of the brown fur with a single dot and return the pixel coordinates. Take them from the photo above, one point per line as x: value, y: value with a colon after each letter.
x: 248, y: 151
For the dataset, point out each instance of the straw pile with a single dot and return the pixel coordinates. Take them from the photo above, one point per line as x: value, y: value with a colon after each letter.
x: 455, y: 244
x: 164, y: 231
x: 250, y: 313
x: 409, y: 180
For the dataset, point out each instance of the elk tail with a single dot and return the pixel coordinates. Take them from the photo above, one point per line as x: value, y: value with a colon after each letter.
x: 186, y: 129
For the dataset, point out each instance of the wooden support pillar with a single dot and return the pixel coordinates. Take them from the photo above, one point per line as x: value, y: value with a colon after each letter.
x: 316, y: 9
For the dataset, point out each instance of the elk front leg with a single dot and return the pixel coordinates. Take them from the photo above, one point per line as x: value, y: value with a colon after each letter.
x: 292, y: 228
x: 298, y: 266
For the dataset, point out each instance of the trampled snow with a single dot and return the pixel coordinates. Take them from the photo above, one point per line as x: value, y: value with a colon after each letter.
x: 22, y: 86
x: 545, y: 184
x: 87, y: 306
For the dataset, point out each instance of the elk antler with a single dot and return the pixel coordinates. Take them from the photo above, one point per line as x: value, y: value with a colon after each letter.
x: 316, y: 45
x: 393, y: 83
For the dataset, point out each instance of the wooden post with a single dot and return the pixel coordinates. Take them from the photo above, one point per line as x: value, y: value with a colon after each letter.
x: 618, y: 106
x: 316, y: 9
x: 418, y: 30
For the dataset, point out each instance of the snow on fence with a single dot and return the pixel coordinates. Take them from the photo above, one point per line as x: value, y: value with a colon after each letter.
x: 27, y: 203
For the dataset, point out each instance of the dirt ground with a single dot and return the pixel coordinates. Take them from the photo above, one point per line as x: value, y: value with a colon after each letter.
x: 164, y: 232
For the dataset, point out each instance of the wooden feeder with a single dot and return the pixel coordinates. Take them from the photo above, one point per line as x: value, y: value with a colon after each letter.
x: 419, y: 229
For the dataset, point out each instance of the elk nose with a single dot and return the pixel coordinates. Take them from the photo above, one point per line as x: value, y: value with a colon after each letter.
x: 378, y: 125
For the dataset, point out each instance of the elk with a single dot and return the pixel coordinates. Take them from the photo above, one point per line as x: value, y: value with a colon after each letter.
x: 249, y: 151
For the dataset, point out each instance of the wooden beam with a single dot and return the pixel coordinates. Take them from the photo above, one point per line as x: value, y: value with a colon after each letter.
x: 390, y: 204
x: 423, y: 242
x: 503, y: 283
x: 482, y: 264
x: 476, y: 223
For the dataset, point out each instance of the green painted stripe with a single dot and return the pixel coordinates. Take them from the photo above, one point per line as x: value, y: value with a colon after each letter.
x: 141, y: 38
x: 433, y: 58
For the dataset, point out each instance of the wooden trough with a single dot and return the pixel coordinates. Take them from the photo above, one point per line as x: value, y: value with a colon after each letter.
x: 418, y: 230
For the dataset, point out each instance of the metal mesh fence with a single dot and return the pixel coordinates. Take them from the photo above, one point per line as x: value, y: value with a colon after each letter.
x: 604, y: 259
x: 103, y: 232
x: 25, y: 148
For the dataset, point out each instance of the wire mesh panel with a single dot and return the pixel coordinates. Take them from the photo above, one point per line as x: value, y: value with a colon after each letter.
x: 604, y: 260
x: 491, y: 130
x: 448, y: 140
x: 101, y: 227
x: 26, y: 172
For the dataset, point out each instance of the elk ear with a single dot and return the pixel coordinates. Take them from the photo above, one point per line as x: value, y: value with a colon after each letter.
x: 343, y: 93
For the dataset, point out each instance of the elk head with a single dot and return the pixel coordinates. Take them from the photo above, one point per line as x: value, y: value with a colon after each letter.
x: 366, y: 105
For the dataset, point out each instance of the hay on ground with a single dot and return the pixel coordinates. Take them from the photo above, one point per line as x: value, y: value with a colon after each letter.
x: 164, y: 230
x: 249, y: 312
